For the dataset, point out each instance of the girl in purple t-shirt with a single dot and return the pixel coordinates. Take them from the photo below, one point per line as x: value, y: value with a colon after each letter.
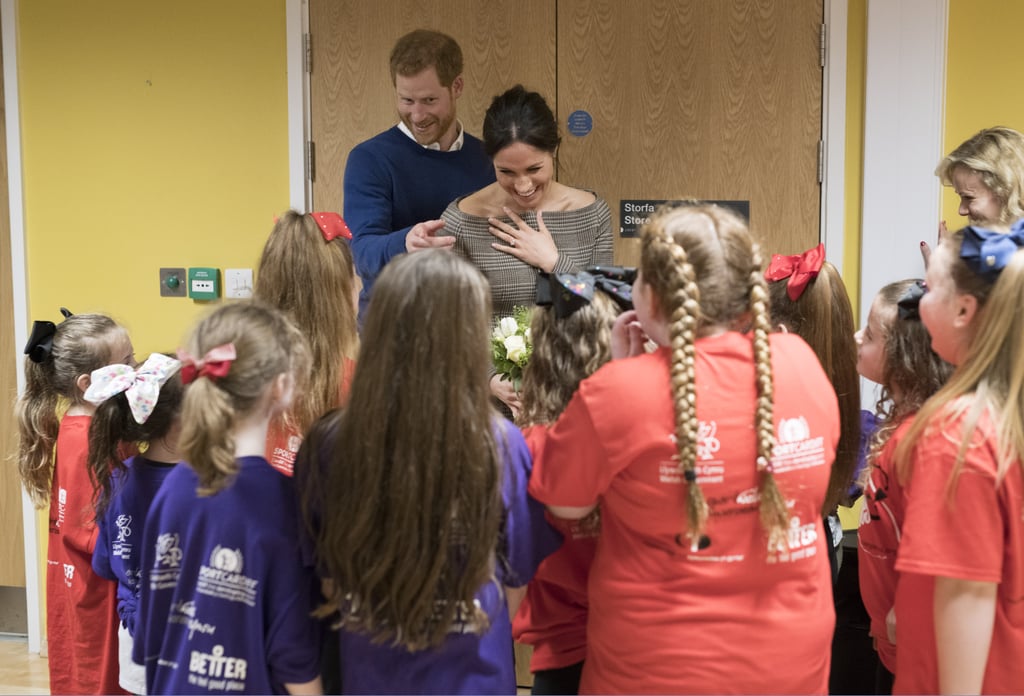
x: 226, y: 599
x: 416, y: 497
x: 133, y: 405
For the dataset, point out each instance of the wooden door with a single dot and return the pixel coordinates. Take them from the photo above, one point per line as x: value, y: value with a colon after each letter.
x: 351, y: 94
x: 707, y: 99
x: 12, y: 542
x: 704, y: 99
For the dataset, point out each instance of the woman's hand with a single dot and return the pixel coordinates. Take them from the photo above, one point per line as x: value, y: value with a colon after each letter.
x: 535, y: 247
x: 504, y: 390
x: 627, y: 336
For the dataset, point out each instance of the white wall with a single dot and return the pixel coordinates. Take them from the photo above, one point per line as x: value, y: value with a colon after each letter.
x: 903, y: 124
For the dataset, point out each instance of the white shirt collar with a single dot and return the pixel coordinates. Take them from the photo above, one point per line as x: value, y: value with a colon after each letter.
x: 456, y: 145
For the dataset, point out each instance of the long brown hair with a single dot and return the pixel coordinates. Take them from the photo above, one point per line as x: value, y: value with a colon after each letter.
x: 313, y: 282
x: 991, y: 377
x: 705, y: 269
x: 267, y: 345
x: 911, y: 371
x: 565, y: 351
x: 82, y: 343
x: 823, y: 317
x: 408, y: 502
x: 113, y: 424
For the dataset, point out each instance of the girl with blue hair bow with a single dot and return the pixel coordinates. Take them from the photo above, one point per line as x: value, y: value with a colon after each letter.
x: 961, y: 461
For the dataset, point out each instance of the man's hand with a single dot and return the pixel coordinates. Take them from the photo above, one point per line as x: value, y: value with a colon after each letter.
x: 423, y: 235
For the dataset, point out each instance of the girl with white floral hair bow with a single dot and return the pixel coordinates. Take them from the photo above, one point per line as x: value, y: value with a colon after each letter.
x: 133, y: 405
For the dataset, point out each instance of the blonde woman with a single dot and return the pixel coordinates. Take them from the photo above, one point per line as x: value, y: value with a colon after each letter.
x: 987, y: 173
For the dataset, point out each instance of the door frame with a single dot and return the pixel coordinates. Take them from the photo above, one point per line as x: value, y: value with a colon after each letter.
x: 19, y: 287
x: 833, y: 132
x: 904, y: 122
x: 300, y: 188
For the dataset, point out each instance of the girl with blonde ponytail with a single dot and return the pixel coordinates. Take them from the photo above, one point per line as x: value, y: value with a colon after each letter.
x: 226, y: 596
x: 710, y: 460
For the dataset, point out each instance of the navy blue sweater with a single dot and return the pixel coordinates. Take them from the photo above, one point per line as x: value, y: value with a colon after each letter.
x: 392, y: 183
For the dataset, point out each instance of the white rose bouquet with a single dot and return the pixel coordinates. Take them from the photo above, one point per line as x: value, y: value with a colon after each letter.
x: 511, y: 347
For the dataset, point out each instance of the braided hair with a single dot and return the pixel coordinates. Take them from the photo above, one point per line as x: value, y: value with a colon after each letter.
x: 705, y: 271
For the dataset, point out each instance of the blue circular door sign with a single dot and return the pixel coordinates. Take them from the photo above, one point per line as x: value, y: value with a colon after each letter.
x: 580, y: 123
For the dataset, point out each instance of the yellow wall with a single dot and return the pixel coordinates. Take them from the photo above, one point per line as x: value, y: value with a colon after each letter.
x: 856, y: 59
x: 981, y: 76
x: 154, y: 134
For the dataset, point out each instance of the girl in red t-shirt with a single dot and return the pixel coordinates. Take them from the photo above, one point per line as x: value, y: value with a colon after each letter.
x: 306, y: 271
x: 960, y: 597
x: 571, y: 337
x: 81, y: 606
x: 709, y: 458
x: 894, y: 351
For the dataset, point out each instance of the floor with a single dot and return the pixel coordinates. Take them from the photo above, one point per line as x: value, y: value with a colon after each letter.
x: 20, y: 671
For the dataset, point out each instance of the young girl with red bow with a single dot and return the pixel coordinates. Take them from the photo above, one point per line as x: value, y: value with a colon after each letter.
x: 306, y: 272
x: 710, y: 460
x: 959, y: 608
x: 808, y: 298
x: 894, y: 351
x: 226, y: 597
x: 53, y: 450
x: 136, y: 406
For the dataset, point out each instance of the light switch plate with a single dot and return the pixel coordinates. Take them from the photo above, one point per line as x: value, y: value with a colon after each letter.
x: 238, y: 283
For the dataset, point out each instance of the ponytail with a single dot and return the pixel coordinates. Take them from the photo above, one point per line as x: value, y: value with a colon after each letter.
x: 206, y: 442
x: 36, y: 413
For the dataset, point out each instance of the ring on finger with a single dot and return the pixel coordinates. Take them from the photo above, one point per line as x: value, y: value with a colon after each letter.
x: 511, y: 241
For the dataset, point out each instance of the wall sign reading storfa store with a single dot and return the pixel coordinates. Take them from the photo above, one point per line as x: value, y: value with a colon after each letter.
x: 633, y: 213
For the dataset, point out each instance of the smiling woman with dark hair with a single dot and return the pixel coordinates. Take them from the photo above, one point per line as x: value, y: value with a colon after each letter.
x: 526, y: 221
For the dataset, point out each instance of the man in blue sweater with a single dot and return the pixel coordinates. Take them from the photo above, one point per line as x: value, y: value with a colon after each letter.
x: 399, y: 182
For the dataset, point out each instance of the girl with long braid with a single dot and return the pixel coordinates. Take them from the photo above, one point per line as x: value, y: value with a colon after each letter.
x: 709, y: 458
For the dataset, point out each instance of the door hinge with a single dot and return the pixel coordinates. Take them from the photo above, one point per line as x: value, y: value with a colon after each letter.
x: 307, y: 53
x: 821, y: 161
x: 311, y: 160
x: 823, y: 43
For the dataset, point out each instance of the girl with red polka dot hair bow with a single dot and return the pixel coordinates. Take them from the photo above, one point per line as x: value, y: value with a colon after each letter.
x: 306, y: 271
